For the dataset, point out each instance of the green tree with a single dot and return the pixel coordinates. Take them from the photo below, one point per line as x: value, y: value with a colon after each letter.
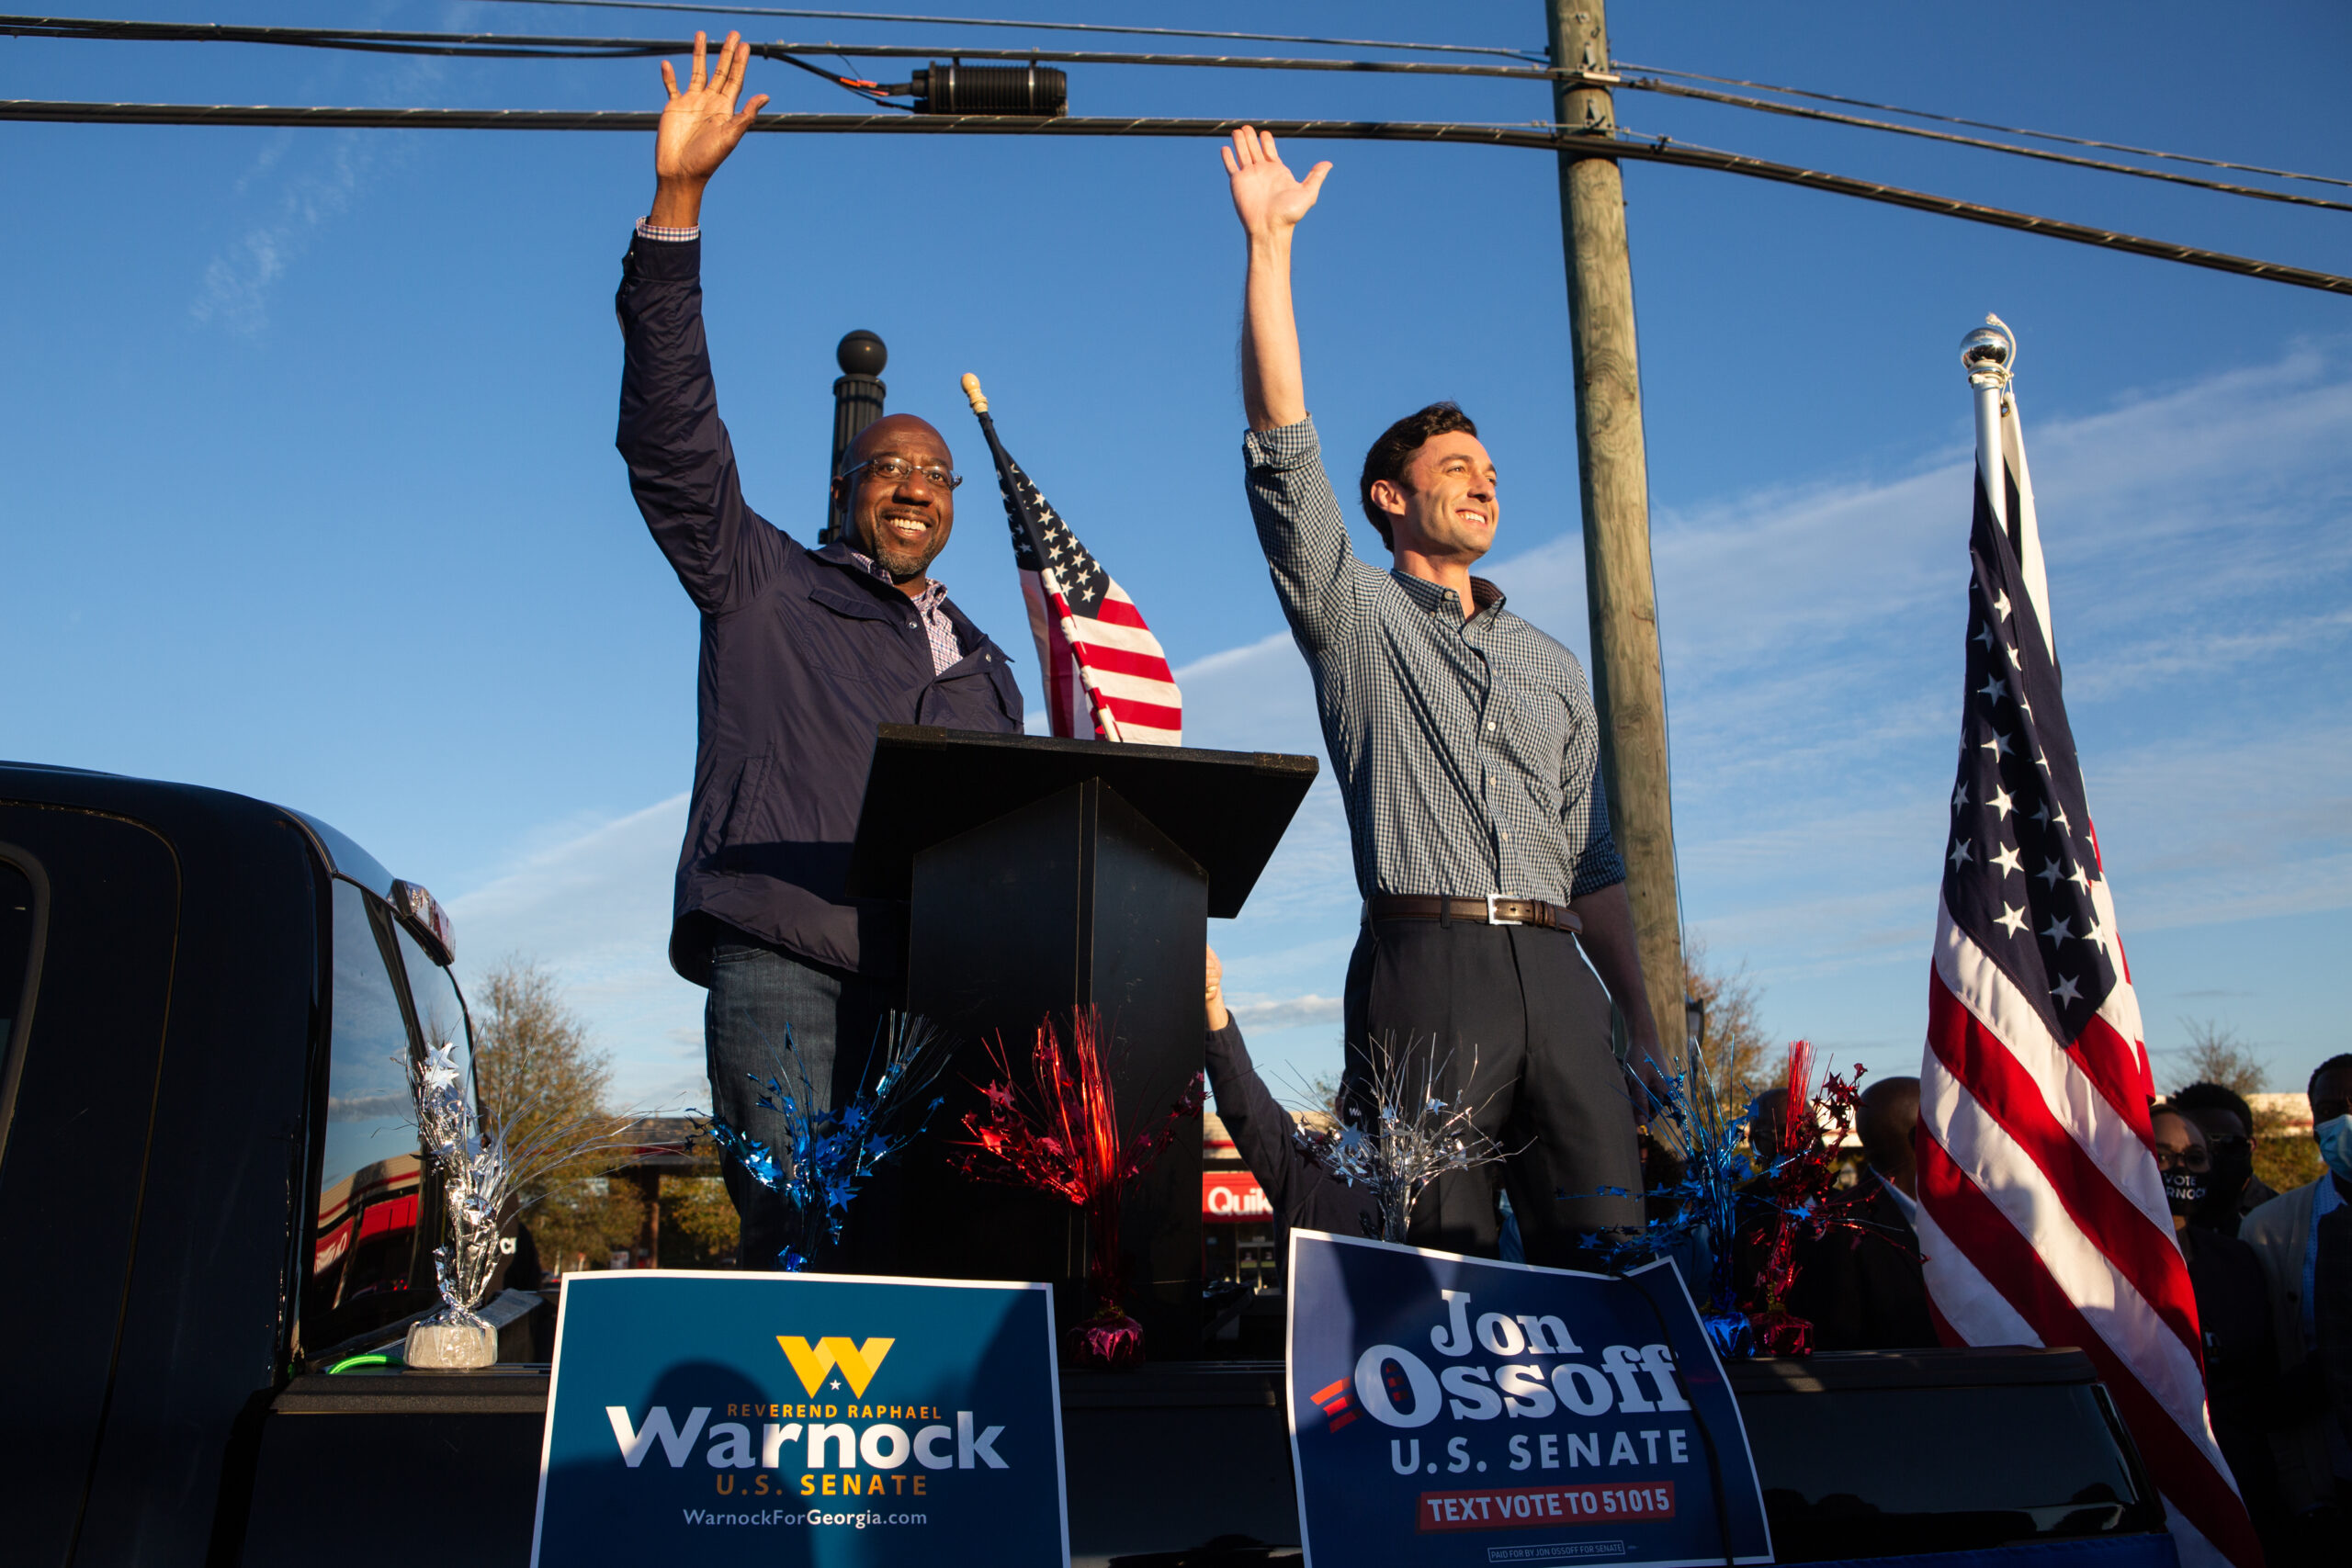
x: 535, y: 1069
x: 1734, y: 1047
x: 2216, y: 1053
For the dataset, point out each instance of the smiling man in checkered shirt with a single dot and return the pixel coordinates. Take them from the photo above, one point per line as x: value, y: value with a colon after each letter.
x: 1464, y: 744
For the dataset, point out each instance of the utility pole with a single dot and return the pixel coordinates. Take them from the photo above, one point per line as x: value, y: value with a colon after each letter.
x: 1613, y: 474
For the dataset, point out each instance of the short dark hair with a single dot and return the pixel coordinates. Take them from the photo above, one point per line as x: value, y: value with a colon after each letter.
x: 2212, y: 1096
x: 2340, y: 1062
x: 1396, y: 447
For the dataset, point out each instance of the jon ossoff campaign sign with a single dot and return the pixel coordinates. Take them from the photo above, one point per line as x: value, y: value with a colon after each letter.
x: 801, y: 1419
x: 1456, y: 1411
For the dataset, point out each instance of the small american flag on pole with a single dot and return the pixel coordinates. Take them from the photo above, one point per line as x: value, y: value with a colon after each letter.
x: 2042, y: 1217
x: 1103, y: 670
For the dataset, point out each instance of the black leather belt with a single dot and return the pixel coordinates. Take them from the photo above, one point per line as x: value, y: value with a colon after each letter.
x: 1491, y: 910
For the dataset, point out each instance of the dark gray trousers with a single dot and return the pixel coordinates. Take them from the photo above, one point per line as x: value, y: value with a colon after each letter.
x: 756, y: 994
x: 1521, y: 1027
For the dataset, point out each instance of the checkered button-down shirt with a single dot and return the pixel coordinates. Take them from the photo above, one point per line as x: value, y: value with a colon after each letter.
x: 1466, y: 751
x: 929, y: 607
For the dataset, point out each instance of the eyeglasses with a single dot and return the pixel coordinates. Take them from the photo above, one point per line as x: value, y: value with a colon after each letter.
x: 2191, y: 1159
x: 898, y: 471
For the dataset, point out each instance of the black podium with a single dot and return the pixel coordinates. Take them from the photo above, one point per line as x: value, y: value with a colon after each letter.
x: 1043, y: 876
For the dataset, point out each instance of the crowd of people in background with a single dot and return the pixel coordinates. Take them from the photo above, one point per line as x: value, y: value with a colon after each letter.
x: 2271, y: 1271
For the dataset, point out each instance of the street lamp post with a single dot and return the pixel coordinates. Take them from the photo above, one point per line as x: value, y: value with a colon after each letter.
x: 857, y: 402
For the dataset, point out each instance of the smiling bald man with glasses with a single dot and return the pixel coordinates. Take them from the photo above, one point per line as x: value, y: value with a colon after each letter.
x: 803, y: 653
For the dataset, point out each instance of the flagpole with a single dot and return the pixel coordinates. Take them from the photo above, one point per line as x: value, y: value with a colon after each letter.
x: 1989, y: 353
x: 1105, y: 725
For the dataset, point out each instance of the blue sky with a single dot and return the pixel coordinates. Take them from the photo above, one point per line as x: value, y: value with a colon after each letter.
x: 310, y: 491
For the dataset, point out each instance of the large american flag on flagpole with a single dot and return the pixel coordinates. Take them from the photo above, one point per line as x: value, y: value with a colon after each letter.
x: 2042, y: 1215
x: 1105, y: 673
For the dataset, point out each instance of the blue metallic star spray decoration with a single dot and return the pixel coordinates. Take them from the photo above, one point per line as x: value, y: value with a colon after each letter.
x: 1693, y: 1216
x: 822, y: 1157
x: 1698, y: 1216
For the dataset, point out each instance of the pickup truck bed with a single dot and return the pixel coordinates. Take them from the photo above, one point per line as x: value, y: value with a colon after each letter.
x: 1188, y: 1466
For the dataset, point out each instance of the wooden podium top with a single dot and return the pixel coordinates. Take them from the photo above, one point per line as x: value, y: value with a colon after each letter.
x: 1226, y: 809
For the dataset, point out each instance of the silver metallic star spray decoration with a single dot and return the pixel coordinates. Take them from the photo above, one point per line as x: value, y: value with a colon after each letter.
x: 1393, y: 1135
x: 484, y: 1168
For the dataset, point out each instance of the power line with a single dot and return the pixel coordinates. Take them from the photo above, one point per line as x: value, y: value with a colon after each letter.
x: 543, y: 46
x: 1985, y: 125
x: 1657, y: 149
x: 1043, y: 27
x: 2167, y: 176
x: 524, y: 46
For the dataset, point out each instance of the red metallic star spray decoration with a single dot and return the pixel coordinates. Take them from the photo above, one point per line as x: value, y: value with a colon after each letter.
x: 1058, y: 1133
x: 1802, y: 1186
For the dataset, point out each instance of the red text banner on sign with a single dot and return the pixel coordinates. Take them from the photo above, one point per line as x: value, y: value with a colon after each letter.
x: 1519, y: 1507
x: 1233, y: 1197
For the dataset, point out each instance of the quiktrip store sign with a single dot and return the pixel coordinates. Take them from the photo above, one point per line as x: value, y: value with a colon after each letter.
x: 1456, y: 1411
x: 1233, y: 1198
x: 821, y: 1419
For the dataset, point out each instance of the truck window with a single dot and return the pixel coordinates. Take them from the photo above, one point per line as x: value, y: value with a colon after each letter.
x: 440, y: 1010
x: 364, y: 1248
x: 16, y: 946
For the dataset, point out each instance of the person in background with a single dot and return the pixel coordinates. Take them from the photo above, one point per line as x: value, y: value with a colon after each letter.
x: 2303, y: 1239
x: 2242, y: 1394
x: 1765, y: 1127
x: 1301, y: 1188
x: 2233, y: 1191
x: 1863, y: 1289
x: 803, y: 653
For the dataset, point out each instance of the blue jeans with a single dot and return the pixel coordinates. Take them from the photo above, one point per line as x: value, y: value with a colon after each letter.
x: 757, y: 994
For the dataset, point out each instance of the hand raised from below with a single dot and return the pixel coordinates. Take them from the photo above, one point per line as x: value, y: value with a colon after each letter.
x: 700, y: 126
x: 1218, y: 1015
x: 1266, y: 197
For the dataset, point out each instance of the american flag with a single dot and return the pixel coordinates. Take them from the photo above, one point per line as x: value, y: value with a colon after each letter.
x: 2042, y: 1215
x: 1102, y: 668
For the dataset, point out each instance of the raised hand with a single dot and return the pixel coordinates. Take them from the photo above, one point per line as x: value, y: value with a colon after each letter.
x: 699, y: 128
x: 1266, y: 197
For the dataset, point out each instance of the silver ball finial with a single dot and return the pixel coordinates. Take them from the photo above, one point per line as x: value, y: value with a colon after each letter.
x: 1990, y: 352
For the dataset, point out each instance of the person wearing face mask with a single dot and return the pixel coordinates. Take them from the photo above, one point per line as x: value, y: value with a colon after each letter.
x: 2232, y: 1192
x: 2233, y: 1316
x: 2303, y: 1239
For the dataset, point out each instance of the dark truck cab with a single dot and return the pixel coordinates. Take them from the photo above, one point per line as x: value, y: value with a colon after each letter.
x: 210, y: 1194
x: 209, y: 1175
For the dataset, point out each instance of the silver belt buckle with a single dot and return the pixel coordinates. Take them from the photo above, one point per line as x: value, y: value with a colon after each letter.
x: 1495, y: 920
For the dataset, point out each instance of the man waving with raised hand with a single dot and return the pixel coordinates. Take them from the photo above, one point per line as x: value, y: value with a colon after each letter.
x: 803, y: 653
x: 1466, y: 751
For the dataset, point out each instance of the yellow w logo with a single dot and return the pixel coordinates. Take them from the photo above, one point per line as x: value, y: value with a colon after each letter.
x: 858, y: 1362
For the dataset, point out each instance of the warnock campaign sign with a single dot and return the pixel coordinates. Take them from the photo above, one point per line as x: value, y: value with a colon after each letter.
x: 830, y: 1420
x: 1449, y: 1410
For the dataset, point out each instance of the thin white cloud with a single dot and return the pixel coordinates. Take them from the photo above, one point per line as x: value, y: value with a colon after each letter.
x: 1284, y: 1012
x: 594, y: 907
x: 301, y: 181
x: 2201, y: 571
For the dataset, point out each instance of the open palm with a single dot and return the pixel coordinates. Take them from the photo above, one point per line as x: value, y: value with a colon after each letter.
x: 1266, y: 196
x: 700, y: 126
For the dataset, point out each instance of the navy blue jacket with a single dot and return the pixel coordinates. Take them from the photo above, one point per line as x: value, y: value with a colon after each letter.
x: 803, y: 654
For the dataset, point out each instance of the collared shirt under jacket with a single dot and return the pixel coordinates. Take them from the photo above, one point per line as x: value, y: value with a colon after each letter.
x: 1467, y: 751
x: 803, y: 655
